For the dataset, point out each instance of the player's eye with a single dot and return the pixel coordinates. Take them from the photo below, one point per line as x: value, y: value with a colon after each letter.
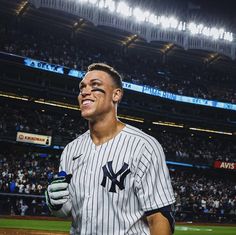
x: 95, y: 84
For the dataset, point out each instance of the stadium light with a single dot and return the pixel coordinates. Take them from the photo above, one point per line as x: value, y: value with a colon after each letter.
x: 215, y: 33
x: 22, y: 8
x: 197, y: 28
x: 13, y: 96
x: 192, y: 28
x: 166, y: 22
x: 221, y: 32
x: 163, y: 21
x: 57, y: 104
x: 83, y: 1
x: 134, y: 119
x: 206, y: 31
x: 173, y: 22
x: 181, y: 26
x: 171, y: 124
x: 110, y: 5
x: 124, y: 9
x: 211, y: 131
x: 200, y: 28
x: 93, y: 1
x: 228, y: 36
x: 140, y: 15
x: 212, y: 32
x: 152, y: 19
x: 101, y: 4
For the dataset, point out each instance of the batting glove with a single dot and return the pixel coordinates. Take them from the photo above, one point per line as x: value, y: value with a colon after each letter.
x: 57, y: 192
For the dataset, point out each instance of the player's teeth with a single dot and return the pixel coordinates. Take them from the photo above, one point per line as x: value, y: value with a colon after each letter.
x: 87, y: 102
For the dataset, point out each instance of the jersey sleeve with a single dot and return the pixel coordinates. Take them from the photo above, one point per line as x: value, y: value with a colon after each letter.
x: 65, y: 211
x: 65, y: 160
x: 153, y: 184
x: 62, y: 165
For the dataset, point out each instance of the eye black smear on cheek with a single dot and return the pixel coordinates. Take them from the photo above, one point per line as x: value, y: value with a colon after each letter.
x: 98, y: 89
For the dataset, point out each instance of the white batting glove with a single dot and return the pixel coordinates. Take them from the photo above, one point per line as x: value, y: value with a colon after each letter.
x: 57, y: 192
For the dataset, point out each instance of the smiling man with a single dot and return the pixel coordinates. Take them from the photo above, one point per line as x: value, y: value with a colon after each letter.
x: 120, y: 182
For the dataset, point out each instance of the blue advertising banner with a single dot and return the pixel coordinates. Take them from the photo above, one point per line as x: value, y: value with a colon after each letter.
x: 127, y: 85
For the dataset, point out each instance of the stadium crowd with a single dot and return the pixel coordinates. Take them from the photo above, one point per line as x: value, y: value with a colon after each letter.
x: 209, y: 197
x: 177, y: 77
x: 195, y: 148
x: 58, y: 125
x: 182, y: 146
x: 199, y: 195
x: 27, y: 174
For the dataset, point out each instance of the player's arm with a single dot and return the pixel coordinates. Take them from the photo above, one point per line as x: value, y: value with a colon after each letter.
x: 161, y: 221
x: 57, y: 193
x: 154, y: 189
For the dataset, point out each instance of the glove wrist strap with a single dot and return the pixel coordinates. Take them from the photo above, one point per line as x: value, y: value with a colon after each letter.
x: 52, y: 207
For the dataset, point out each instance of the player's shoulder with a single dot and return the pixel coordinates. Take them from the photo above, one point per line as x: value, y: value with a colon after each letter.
x: 78, y: 140
x: 147, y: 140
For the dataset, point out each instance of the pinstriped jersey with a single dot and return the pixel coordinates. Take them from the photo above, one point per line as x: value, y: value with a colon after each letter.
x: 115, y: 183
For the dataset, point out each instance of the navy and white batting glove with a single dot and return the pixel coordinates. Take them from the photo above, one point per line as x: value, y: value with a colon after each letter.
x: 57, y: 192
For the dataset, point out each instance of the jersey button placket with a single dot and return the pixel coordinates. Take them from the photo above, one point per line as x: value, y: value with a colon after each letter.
x: 88, y: 199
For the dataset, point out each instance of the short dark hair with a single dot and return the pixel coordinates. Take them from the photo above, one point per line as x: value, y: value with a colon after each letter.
x: 107, y: 69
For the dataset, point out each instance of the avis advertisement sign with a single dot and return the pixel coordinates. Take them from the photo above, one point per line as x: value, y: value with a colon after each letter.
x: 225, y: 165
x: 33, y: 138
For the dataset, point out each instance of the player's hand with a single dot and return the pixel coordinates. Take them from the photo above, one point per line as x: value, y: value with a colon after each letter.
x: 57, y: 192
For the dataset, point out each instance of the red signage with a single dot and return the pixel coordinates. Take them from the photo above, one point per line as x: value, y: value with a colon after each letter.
x: 225, y: 165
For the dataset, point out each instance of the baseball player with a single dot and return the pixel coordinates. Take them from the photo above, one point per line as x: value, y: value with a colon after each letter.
x: 113, y: 179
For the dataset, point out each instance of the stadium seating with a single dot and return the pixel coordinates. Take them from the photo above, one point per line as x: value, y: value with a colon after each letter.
x: 178, y: 77
x: 64, y: 127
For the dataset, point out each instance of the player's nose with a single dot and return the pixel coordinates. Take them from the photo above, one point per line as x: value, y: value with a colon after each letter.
x: 85, y: 91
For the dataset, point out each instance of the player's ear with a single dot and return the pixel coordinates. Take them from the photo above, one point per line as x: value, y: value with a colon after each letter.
x: 117, y: 95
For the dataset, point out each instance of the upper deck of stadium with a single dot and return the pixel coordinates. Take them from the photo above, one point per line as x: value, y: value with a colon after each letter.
x: 29, y: 11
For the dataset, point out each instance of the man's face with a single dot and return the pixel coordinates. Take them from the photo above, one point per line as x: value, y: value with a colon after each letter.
x: 98, y: 95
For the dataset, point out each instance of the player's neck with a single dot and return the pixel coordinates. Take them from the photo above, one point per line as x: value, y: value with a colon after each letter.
x: 104, y: 130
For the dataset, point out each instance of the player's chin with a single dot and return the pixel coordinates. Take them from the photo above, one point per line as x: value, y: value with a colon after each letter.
x: 86, y: 114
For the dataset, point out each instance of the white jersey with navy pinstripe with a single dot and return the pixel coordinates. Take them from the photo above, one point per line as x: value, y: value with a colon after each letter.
x: 115, y: 183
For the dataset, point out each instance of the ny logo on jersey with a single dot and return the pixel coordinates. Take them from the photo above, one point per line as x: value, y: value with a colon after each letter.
x: 109, y: 173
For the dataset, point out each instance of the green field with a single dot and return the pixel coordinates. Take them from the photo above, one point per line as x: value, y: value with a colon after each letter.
x: 64, y: 226
x: 204, y: 230
x: 35, y: 224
